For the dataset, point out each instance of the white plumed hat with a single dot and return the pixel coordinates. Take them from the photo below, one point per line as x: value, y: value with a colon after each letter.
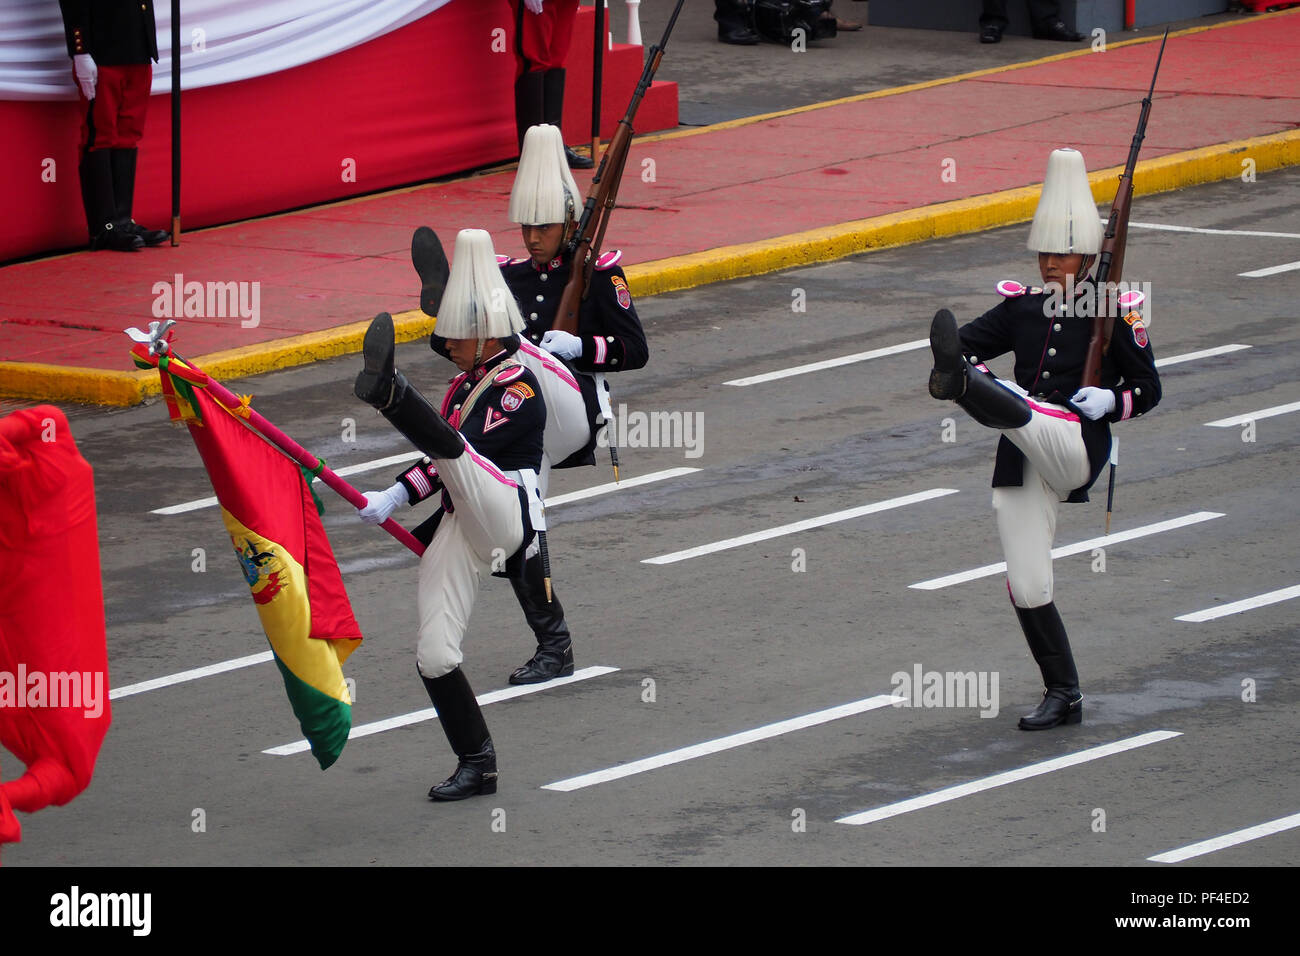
x: 1066, y: 220
x: 544, y: 190
x: 477, y: 303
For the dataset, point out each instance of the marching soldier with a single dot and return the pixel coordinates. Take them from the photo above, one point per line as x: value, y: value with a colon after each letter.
x: 1055, y: 433
x: 545, y: 201
x: 485, y: 449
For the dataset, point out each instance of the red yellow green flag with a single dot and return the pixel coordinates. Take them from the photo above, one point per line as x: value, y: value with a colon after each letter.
x: 286, y: 558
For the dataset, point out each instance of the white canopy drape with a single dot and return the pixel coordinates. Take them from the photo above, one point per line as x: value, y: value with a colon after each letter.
x: 225, y: 40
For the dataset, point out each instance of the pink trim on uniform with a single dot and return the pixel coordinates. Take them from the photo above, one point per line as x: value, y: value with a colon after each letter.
x: 1127, y: 397
x: 1054, y: 412
x: 608, y: 260
x: 451, y: 390
x: 601, y: 349
x: 549, y: 363
x: 506, y: 376
x: 490, y: 468
x: 420, y: 481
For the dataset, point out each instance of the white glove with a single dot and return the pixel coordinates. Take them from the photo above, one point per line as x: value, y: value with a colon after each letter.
x: 87, y: 74
x: 534, y: 6
x: 1094, y: 402
x: 563, y: 344
x: 380, y: 505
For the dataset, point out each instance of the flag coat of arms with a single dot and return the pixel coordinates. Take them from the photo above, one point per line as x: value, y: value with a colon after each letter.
x: 281, y: 546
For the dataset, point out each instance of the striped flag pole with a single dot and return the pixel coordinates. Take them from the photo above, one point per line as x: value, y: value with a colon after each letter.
x: 305, y: 459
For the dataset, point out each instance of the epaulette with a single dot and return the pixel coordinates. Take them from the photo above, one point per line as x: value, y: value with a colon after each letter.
x: 503, y: 261
x: 608, y: 260
x: 1131, y: 300
x: 1010, y: 289
x: 507, y: 375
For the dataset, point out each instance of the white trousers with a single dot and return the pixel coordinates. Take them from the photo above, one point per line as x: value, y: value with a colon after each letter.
x: 1056, y: 462
x: 486, y: 527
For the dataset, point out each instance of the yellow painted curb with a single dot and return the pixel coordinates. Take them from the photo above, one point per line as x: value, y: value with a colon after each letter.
x: 975, y: 214
x: 60, y: 383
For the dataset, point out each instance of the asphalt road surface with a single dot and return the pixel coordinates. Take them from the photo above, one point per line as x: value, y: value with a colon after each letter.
x: 795, y: 638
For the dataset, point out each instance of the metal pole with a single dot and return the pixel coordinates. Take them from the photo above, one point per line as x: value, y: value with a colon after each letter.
x: 597, y: 67
x: 176, y: 122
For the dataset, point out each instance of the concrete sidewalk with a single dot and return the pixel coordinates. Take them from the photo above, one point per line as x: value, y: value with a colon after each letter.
x: 738, y: 198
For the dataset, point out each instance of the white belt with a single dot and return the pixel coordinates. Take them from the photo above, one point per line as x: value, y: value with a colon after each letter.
x: 526, y: 478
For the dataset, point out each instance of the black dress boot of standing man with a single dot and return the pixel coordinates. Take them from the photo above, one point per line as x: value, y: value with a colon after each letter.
x: 735, y: 22
x: 1044, y: 15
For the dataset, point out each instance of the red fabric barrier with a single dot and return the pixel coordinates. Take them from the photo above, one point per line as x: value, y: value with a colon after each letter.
x: 427, y: 100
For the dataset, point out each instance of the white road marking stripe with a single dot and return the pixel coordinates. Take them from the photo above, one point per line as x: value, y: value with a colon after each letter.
x: 396, y: 459
x: 1227, y: 840
x: 1214, y: 232
x: 1255, y: 416
x: 1002, y: 779
x: 611, y: 486
x: 1066, y: 550
x: 341, y: 472
x: 922, y: 343
x: 1203, y: 353
x: 189, y: 675
x: 1246, y: 604
x: 830, y: 363
x: 1270, y: 271
x: 799, y: 526
x: 412, y: 456
x: 722, y: 743
x: 429, y: 713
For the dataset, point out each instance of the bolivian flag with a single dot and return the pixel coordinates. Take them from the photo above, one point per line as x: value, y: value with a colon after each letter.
x: 287, y: 561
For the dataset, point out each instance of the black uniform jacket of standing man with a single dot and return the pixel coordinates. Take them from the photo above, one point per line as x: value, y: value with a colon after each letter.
x: 114, y: 32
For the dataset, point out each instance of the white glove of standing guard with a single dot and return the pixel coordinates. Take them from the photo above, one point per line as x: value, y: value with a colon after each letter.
x: 380, y: 505
x: 534, y: 6
x: 87, y: 74
x: 563, y: 344
x: 1094, y: 402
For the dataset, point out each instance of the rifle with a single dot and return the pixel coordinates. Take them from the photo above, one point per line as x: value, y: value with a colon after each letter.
x: 590, y: 229
x: 1110, y: 267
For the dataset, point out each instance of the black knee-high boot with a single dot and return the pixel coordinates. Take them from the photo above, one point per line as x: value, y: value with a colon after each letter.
x: 1062, y: 702
x: 381, y: 385
x: 553, y: 111
x: 977, y: 392
x: 123, y: 164
x: 554, y: 657
x: 530, y: 103
x: 97, y: 196
x: 430, y: 261
x: 466, y: 730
